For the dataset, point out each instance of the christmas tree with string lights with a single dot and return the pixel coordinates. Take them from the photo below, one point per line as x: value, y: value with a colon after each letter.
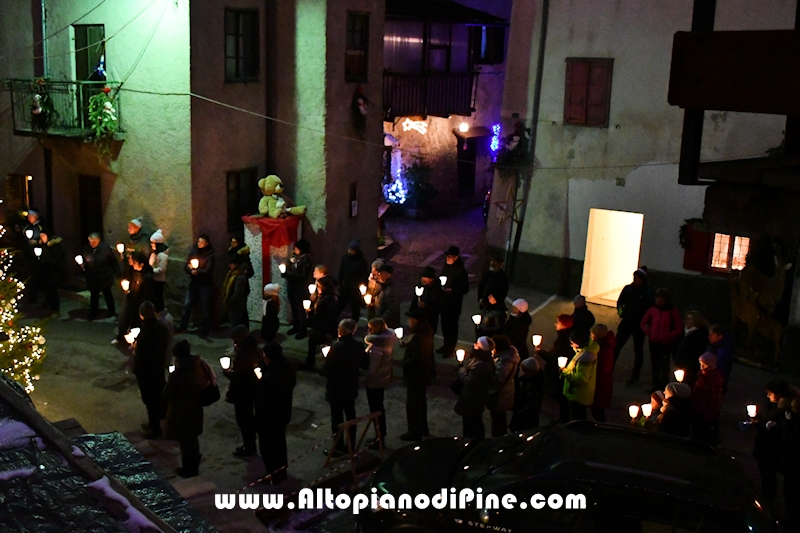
x: 21, y: 347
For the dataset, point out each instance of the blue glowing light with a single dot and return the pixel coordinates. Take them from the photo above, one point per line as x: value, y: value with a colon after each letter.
x: 396, y: 192
x: 495, y: 145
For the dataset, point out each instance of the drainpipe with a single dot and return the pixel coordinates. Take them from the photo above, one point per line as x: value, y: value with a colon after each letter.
x: 45, y: 62
x: 526, y: 183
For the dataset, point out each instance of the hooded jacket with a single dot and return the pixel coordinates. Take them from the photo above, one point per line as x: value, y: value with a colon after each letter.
x: 380, y: 347
x: 580, y: 376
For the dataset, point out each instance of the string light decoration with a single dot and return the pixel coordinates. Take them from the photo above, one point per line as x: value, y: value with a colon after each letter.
x: 22, y: 348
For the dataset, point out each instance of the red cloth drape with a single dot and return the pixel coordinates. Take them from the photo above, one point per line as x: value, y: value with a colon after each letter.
x: 274, y: 232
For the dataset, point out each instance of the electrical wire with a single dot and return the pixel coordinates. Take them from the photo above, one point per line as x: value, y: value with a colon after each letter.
x: 144, y: 48
x: 101, y: 42
x: 53, y: 34
x: 416, y: 154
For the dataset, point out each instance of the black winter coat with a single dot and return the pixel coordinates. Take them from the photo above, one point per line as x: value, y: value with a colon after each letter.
x: 205, y: 267
x: 517, y: 328
x: 633, y: 303
x: 677, y: 418
x: 181, y: 396
x: 528, y: 401
x: 432, y: 298
x: 100, y: 266
x: 455, y: 288
x: 494, y: 283
x: 769, y: 442
x: 353, y: 271
x: 140, y: 289
x: 243, y: 378
x: 342, y: 370
x: 419, y: 367
x: 149, y: 357
x: 583, y: 319
x: 691, y: 347
x: 324, y: 315
x: 273, y: 395
x: 298, y: 271
x: 387, y: 304
x: 561, y: 348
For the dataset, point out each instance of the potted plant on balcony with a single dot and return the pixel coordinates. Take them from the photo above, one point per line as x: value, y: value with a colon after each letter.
x: 103, y: 120
x: 43, y: 112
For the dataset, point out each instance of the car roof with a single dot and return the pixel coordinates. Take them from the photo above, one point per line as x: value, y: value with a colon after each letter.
x: 641, y: 458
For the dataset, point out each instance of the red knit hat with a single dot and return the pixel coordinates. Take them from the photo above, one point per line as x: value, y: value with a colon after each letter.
x: 565, y: 321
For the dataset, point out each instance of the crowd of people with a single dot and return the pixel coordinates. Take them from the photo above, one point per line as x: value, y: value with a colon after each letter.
x: 500, y: 374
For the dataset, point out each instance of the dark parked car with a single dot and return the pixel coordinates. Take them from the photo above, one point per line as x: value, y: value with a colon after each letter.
x: 631, y: 481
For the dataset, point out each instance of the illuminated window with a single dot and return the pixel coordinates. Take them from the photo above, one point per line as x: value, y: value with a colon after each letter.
x: 729, y: 253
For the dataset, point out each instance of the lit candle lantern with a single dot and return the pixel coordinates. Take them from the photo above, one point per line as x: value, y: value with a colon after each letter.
x: 194, y: 263
x: 225, y: 362
x: 325, y: 350
x: 312, y: 288
x: 125, y: 284
x: 367, y: 299
x: 29, y: 234
x: 398, y: 332
x: 37, y: 251
x: 562, y: 362
x: 679, y: 374
x: 537, y: 340
x: 633, y: 411
x: 362, y: 289
x: 282, y: 268
x: 647, y: 410
x: 130, y: 337
x: 418, y: 291
x: 171, y: 369
x: 257, y: 372
x: 751, y: 411
x: 460, y: 354
x: 476, y: 319
x: 79, y: 259
x: 443, y: 279
x: 120, y: 248
x: 307, y: 305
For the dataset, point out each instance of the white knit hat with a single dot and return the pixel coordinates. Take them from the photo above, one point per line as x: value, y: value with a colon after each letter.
x: 272, y: 289
x: 137, y: 222
x: 520, y: 305
x: 157, y: 237
x: 485, y: 343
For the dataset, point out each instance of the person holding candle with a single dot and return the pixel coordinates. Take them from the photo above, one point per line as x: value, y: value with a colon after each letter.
x: 580, y: 375
x: 101, y: 268
x: 323, y: 317
x: 561, y: 348
x: 140, y: 288
x: 707, y: 401
x: 341, y: 368
x: 693, y: 344
x: 492, y: 293
x: 33, y: 231
x: 430, y: 299
x: 633, y: 302
x: 453, y: 292
x: 662, y: 324
x: 582, y: 318
x: 604, y: 387
x: 475, y: 375
x: 676, y: 411
x: 518, y: 327
x: 386, y: 303
x: 149, y: 356
x: 137, y: 242
x: 528, y: 396
x: 651, y: 422
x: 378, y: 375
x: 768, y: 447
x: 273, y: 409
x: 353, y: 272
x: 270, y: 322
x: 297, y: 275
x: 241, y: 392
x: 502, y: 388
x: 419, y: 371
x: 52, y: 271
x: 159, y: 260
x: 200, y: 266
x: 184, y: 410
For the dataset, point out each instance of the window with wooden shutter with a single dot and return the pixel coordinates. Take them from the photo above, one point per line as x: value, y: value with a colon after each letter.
x: 587, y: 95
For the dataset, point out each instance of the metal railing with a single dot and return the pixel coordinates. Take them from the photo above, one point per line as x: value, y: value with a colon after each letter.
x: 66, y: 114
x: 438, y: 93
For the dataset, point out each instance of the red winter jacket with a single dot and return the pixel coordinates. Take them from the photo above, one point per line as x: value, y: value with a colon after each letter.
x: 663, y: 326
x: 605, y: 372
x: 707, y: 395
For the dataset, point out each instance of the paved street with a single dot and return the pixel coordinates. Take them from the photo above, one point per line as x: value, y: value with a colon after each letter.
x: 88, y: 379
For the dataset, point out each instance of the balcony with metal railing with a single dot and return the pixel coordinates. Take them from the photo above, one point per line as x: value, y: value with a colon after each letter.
x: 59, y: 108
x: 439, y: 94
